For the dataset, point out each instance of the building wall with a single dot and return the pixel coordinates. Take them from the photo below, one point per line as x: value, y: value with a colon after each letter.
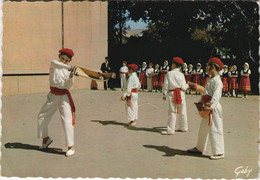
x: 32, y: 37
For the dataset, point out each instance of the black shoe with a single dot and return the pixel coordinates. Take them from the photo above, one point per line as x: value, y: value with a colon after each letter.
x: 194, y: 151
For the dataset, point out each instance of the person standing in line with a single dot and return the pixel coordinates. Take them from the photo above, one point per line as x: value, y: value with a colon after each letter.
x: 155, y: 80
x: 142, y: 76
x: 233, y: 82
x: 163, y: 71
x: 245, y: 85
x: 123, y: 75
x: 188, y: 76
x: 197, y: 74
x: 175, y: 86
x: 212, y: 127
x: 131, y: 95
x: 184, y: 69
x: 224, y: 77
x: 149, y: 76
x: 59, y: 98
x: 205, y: 78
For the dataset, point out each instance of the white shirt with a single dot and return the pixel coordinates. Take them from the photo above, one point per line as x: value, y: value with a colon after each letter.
x: 174, y: 79
x: 124, y: 69
x: 198, y: 71
x: 249, y: 71
x: 149, y: 71
x: 221, y: 72
x: 214, y: 89
x: 59, y: 75
x: 132, y: 83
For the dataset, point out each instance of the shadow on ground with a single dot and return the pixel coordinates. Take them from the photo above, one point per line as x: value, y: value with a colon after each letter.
x: 172, y: 152
x: 17, y: 145
x: 129, y: 127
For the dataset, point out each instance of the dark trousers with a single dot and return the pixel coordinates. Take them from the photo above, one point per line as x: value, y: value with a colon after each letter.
x: 108, y: 84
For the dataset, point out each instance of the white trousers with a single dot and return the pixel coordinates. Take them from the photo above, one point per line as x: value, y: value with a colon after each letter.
x: 182, y: 123
x: 123, y: 81
x: 149, y: 83
x: 53, y: 103
x: 213, y: 132
x: 132, y: 111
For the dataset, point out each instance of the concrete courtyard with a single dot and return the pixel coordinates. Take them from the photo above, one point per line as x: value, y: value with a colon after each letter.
x: 107, y: 147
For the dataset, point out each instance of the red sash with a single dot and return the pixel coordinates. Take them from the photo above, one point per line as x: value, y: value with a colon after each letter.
x: 123, y: 72
x: 60, y: 92
x: 177, y: 98
x: 204, y: 100
x: 132, y: 91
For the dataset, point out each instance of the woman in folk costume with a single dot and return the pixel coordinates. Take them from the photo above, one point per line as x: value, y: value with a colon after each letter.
x: 175, y: 86
x: 59, y: 98
x: 131, y: 95
x: 233, y: 83
x: 188, y: 76
x: 224, y: 78
x: 163, y: 71
x: 212, y: 127
x: 197, y: 74
x: 149, y: 76
x: 184, y: 69
x: 142, y: 75
x: 155, y: 81
x: 123, y: 75
x: 245, y: 81
x: 205, y: 79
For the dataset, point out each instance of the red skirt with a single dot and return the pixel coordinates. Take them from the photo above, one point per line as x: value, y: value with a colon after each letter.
x: 233, y: 84
x: 225, y: 84
x: 142, y: 79
x: 245, y: 84
x: 155, y: 81
x: 204, y: 81
x: 188, y: 78
x: 162, y: 77
x: 197, y: 79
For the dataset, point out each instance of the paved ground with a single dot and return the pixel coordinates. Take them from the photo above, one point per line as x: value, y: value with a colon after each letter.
x: 106, y: 147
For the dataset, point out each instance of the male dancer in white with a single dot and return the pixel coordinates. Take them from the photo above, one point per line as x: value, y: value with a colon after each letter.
x: 175, y: 85
x: 131, y: 95
x: 123, y: 75
x: 59, y: 98
x: 212, y: 127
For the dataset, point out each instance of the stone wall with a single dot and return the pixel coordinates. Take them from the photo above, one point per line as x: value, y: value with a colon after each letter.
x: 33, y: 32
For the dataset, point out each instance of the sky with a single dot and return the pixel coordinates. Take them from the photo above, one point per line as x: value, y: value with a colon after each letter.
x: 136, y: 25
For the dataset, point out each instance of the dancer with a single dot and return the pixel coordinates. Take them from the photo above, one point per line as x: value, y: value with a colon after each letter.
x: 131, y: 95
x: 212, y: 127
x: 59, y: 98
x: 175, y: 86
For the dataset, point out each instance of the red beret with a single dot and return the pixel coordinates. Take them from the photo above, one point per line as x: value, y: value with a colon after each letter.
x: 217, y: 61
x: 178, y: 60
x: 151, y: 64
x: 125, y: 62
x: 67, y: 51
x: 132, y: 66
